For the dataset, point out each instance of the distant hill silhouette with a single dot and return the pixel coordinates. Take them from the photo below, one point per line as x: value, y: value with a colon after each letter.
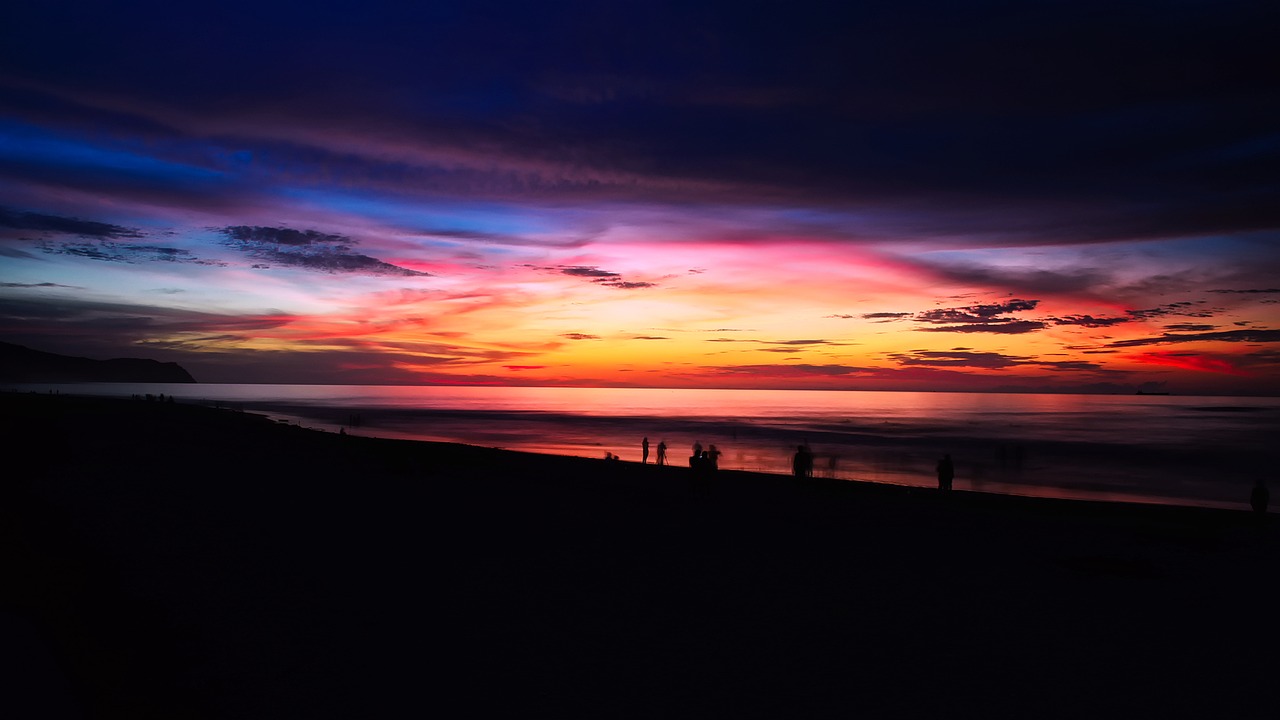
x: 22, y: 364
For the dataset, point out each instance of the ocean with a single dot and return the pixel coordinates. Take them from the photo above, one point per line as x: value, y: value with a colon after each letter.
x: 1185, y: 450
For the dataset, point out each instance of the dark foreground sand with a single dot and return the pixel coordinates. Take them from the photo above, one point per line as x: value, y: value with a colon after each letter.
x: 171, y: 561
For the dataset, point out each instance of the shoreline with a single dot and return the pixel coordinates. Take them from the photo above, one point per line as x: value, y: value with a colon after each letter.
x: 182, y: 561
x: 1202, y: 456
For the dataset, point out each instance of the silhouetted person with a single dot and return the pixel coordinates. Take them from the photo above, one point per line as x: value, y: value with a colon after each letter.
x: 802, y: 463
x: 946, y: 472
x: 1260, y: 496
x: 644, y: 451
x: 700, y: 474
x: 697, y: 449
x: 662, y: 452
x: 713, y: 458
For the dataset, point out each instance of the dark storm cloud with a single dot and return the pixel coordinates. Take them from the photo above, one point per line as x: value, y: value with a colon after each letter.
x: 284, y: 236
x: 308, y: 249
x: 986, y: 360
x: 788, y: 370
x: 604, y: 277
x: 589, y: 272
x: 1249, y: 336
x: 986, y: 313
x: 957, y: 358
x: 107, y: 251
x: 1012, y: 327
x: 1030, y: 281
x: 1184, y: 308
x: 41, y: 223
x: 982, y: 318
x: 876, y: 317
x: 1054, y: 122
x: 1070, y: 365
x: 1089, y: 321
x: 334, y: 261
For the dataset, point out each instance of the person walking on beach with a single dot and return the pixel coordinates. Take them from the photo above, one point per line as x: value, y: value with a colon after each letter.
x: 946, y: 472
x: 644, y: 451
x: 662, y: 452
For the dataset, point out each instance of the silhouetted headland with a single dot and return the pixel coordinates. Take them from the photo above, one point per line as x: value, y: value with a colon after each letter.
x: 20, y: 364
x: 165, y: 560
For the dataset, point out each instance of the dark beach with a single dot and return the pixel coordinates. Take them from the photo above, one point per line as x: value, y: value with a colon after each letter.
x: 174, y: 561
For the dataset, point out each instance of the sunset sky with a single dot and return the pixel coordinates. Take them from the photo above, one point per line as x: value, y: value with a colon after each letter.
x: 1071, y: 196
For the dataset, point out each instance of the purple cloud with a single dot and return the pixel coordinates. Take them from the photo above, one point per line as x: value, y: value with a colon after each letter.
x: 1253, y: 336
x: 308, y: 249
x: 604, y: 277
x: 1184, y: 308
x: 42, y: 223
x: 1088, y: 321
x: 981, y: 318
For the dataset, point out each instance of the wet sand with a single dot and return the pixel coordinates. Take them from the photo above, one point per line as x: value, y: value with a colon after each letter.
x: 175, y: 561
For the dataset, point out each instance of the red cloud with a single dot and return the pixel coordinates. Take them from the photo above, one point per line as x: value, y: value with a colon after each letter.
x: 1188, y: 361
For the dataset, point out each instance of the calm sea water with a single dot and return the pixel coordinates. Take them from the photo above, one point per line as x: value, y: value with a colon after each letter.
x: 1173, y: 449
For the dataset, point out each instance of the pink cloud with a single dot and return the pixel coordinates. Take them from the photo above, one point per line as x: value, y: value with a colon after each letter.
x: 1188, y: 361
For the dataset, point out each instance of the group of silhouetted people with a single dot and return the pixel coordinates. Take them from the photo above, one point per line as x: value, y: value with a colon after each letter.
x: 661, y: 458
x: 802, y: 467
x: 704, y: 460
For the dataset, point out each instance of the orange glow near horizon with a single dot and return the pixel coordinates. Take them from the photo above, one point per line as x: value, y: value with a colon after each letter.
x: 806, y: 315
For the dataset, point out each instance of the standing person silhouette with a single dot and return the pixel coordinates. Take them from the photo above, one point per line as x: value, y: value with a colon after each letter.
x: 1260, y: 496
x: 946, y: 472
x: 662, y: 452
x: 644, y: 451
x: 802, y: 463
